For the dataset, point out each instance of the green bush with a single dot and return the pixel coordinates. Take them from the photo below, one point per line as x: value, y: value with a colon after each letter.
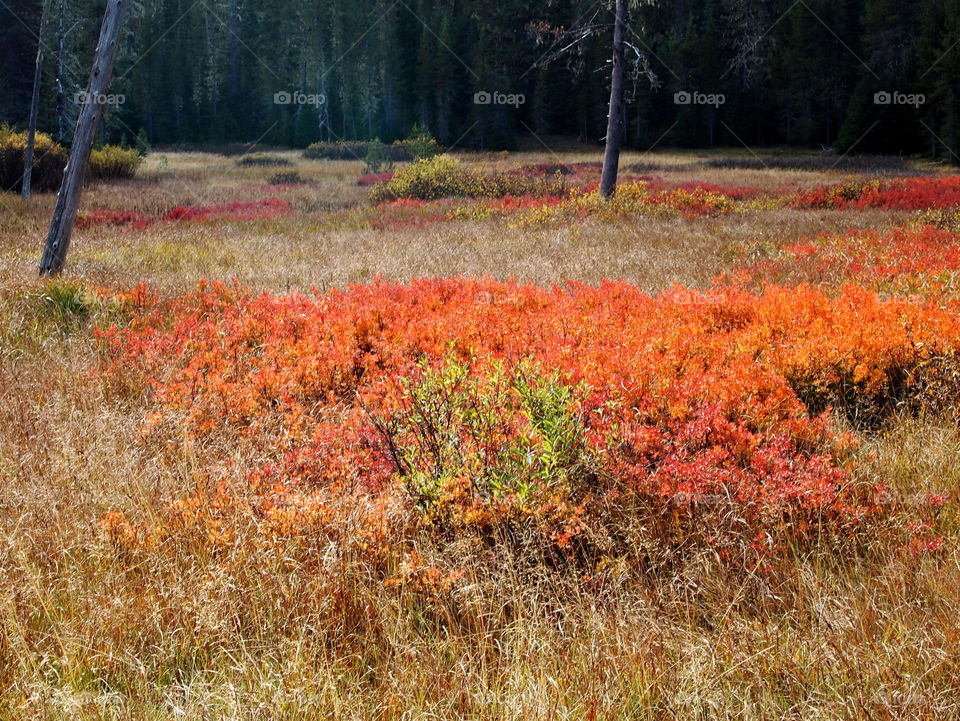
x: 66, y: 301
x: 111, y: 162
x: 59, y: 306
x: 443, y: 176
x: 142, y: 144
x: 378, y: 158
x: 452, y: 429
x: 418, y: 145
x: 49, y: 160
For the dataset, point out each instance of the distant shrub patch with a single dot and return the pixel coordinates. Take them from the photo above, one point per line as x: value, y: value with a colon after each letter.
x: 111, y: 162
x: 262, y: 160
x: 443, y: 176
x: 340, y: 150
x: 113, y: 218
x: 374, y: 179
x: 418, y: 145
x: 49, y: 160
x: 545, y: 169
x: 897, y: 194
x: 286, y: 178
x: 245, y: 210
x: 253, y: 210
x: 648, y: 167
x: 812, y: 163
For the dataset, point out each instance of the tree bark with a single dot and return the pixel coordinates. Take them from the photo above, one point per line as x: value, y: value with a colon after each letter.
x: 234, y: 90
x: 61, y: 225
x: 611, y: 155
x: 34, y: 109
x: 61, y: 65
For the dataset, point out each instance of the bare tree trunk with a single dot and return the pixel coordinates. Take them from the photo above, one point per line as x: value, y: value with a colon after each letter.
x: 61, y: 225
x: 234, y: 89
x: 34, y: 109
x: 611, y: 156
x: 61, y: 65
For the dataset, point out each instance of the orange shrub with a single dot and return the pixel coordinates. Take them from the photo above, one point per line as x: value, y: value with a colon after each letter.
x: 564, y: 415
x: 917, y: 259
x: 898, y: 194
x: 631, y: 199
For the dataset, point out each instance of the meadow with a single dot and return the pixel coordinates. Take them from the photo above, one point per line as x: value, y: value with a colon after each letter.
x: 292, y: 439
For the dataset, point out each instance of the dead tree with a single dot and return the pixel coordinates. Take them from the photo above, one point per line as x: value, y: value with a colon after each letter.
x: 61, y: 225
x: 565, y: 41
x: 34, y: 109
x: 611, y: 153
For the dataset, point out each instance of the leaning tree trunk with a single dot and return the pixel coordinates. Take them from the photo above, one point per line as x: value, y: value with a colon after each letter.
x: 34, y: 109
x: 611, y: 156
x: 61, y: 226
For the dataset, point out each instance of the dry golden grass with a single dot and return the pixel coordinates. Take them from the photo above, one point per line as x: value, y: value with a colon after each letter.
x: 301, y: 251
x: 87, y: 635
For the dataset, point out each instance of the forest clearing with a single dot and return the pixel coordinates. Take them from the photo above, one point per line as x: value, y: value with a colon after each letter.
x: 456, y: 439
x: 466, y: 359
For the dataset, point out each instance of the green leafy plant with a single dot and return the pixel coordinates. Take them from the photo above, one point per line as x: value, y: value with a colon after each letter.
x: 378, y: 158
x: 490, y: 448
x: 419, y: 144
x: 141, y: 143
x: 63, y: 306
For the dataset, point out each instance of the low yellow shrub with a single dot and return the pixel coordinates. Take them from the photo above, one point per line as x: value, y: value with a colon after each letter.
x: 49, y: 160
x: 443, y: 176
x: 111, y: 162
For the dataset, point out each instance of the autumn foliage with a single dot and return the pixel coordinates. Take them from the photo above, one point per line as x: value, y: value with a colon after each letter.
x: 899, y: 194
x: 252, y: 210
x: 564, y: 416
x: 915, y: 260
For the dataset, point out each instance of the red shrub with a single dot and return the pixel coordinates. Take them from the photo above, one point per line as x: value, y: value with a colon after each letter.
x: 116, y: 218
x: 241, y: 211
x: 732, y: 192
x: 248, y: 210
x: 899, y: 194
x: 561, y: 409
x: 374, y: 179
x: 921, y: 259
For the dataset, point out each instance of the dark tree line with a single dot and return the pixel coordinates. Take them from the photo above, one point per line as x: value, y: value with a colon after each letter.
x: 874, y: 75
